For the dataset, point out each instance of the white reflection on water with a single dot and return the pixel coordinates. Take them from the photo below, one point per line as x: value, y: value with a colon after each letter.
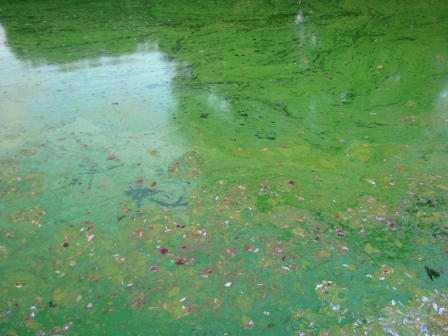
x: 112, y: 98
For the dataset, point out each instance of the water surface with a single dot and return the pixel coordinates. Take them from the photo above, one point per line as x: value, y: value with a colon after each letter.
x: 223, y: 167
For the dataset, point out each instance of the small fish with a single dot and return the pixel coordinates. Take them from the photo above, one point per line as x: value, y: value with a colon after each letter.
x: 432, y: 273
x: 141, y: 193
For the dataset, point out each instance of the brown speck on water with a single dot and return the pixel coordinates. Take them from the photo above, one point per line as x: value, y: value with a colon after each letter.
x: 140, y: 233
x: 153, y: 185
x: 153, y: 152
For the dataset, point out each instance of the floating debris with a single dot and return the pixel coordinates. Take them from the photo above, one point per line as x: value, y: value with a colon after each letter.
x: 66, y: 243
x: 112, y: 157
x: 180, y: 261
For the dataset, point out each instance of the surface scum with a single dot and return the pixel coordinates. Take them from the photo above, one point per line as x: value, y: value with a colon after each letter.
x: 223, y: 167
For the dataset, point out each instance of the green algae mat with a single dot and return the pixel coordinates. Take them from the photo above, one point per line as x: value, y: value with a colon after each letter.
x: 268, y: 167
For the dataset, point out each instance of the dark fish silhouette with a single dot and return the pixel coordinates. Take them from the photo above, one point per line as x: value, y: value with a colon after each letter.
x: 141, y: 193
x: 432, y: 273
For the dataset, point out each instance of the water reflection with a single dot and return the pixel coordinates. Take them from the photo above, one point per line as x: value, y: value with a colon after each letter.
x: 111, y: 97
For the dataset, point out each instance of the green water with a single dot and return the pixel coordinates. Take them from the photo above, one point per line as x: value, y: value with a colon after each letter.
x: 223, y: 167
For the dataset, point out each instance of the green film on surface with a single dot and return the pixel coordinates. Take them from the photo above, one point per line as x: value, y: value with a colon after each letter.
x: 223, y: 167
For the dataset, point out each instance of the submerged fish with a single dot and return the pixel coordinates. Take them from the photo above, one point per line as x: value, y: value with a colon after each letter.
x: 432, y: 273
x: 140, y: 193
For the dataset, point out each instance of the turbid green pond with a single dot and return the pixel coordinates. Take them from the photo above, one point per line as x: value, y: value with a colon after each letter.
x: 232, y: 167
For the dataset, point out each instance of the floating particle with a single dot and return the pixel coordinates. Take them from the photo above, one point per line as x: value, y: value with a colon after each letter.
x: 180, y: 261
x: 339, y: 232
x: 206, y: 273
x: 372, y: 182
x: 249, y: 325
x: 66, y: 243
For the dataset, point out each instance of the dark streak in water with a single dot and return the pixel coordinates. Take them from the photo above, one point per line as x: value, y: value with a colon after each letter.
x: 141, y: 193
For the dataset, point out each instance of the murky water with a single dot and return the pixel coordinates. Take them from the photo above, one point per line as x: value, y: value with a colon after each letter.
x: 223, y: 167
